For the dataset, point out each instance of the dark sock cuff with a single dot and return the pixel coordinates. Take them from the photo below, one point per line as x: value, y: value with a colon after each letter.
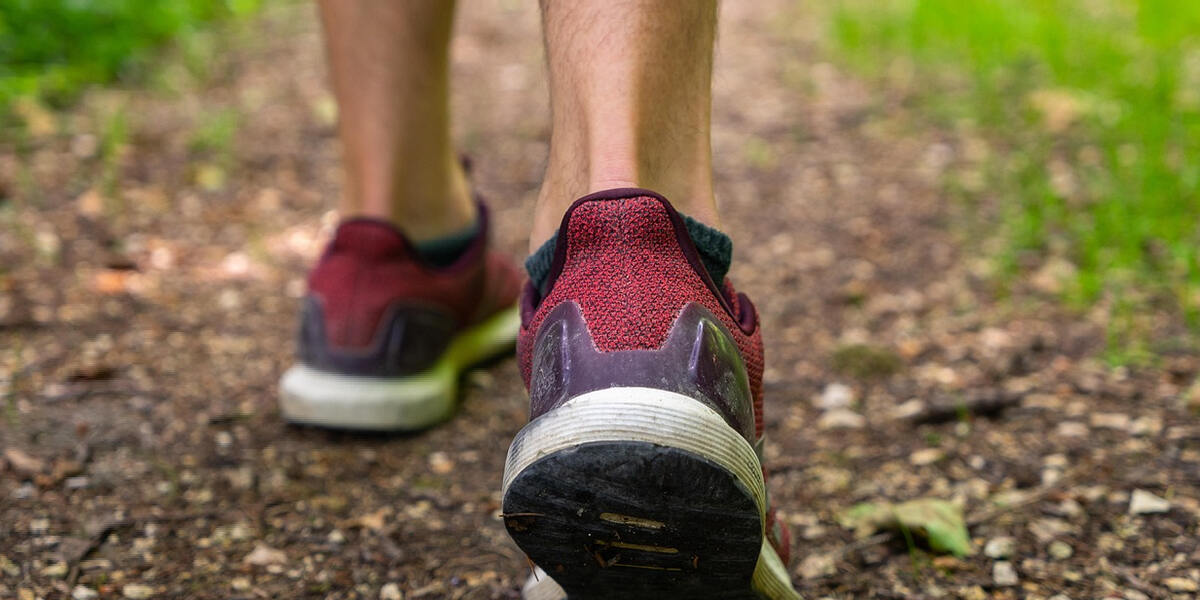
x: 538, y: 263
x: 443, y: 251
x: 715, y: 248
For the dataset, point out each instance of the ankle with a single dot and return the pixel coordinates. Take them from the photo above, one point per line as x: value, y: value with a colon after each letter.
x: 425, y: 205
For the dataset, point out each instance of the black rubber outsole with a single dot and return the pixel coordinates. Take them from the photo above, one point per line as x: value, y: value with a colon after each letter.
x: 636, y: 520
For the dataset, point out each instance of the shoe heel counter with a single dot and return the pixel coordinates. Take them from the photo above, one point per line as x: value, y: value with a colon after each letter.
x: 406, y: 340
x: 699, y: 359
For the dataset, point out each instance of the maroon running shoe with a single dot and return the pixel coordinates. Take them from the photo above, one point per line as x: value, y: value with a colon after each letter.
x: 384, y: 336
x: 639, y: 474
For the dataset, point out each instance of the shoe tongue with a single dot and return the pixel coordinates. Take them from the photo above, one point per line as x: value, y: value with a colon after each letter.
x: 370, y: 239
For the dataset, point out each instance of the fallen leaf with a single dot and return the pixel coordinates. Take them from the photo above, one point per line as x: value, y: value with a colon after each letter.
x: 938, y: 521
x: 90, y: 203
x: 373, y: 521
x: 111, y: 281
x: 24, y: 463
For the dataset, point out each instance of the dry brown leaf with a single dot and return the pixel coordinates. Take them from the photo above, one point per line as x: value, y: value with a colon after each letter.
x: 24, y: 463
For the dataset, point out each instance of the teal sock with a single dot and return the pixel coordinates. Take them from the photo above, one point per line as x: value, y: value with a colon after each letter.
x: 443, y: 251
x: 715, y: 248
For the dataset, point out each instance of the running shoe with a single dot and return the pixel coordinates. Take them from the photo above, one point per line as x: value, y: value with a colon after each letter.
x: 639, y: 474
x: 384, y: 336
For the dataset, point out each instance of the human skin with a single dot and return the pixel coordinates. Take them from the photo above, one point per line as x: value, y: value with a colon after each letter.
x: 630, y: 96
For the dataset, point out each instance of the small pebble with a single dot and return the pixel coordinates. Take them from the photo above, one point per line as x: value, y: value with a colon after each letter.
x: 137, y: 591
x: 1000, y: 547
x: 1060, y: 550
x: 78, y: 482
x: 39, y: 526
x: 83, y: 592
x: 1071, y: 429
x: 1180, y: 584
x: 1117, y: 421
x: 56, y: 570
x: 440, y: 463
x: 926, y: 456
x: 263, y: 555
x: 1145, y: 503
x: 1146, y: 426
x: 817, y: 566
x: 1068, y: 508
x: 390, y: 591
x: 835, y: 395
x: 1003, y: 574
x: 841, y: 418
x: 909, y: 409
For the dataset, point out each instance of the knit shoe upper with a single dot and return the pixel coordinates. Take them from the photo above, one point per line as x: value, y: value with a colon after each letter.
x: 384, y: 336
x: 375, y: 308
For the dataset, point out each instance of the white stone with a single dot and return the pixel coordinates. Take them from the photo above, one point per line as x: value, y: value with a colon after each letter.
x: 1145, y: 503
x: 263, y: 555
x: 908, y: 409
x: 1117, y: 421
x: 137, y: 591
x: 1000, y: 547
x: 816, y: 566
x: 1071, y: 429
x: 1003, y: 574
x: 83, y: 592
x: 390, y: 591
x: 1060, y: 550
x: 926, y: 456
x: 1146, y: 426
x: 841, y: 418
x: 1180, y: 584
x: 835, y: 395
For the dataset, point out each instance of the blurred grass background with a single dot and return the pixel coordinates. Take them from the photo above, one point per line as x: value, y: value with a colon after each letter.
x: 50, y: 50
x: 1091, y: 110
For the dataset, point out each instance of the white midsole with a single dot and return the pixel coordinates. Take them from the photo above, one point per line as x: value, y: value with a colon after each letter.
x: 639, y: 414
x: 311, y: 396
x: 322, y: 398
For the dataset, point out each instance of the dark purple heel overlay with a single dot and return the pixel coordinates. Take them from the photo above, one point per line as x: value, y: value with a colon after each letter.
x: 409, y: 340
x: 699, y: 359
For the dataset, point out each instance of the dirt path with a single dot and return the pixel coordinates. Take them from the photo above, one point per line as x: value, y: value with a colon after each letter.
x: 142, y: 332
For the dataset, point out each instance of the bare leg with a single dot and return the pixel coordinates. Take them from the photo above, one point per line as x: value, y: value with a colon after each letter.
x: 390, y: 63
x: 630, y: 92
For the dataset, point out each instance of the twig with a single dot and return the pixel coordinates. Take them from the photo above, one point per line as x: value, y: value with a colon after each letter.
x: 1132, y: 581
x: 984, y: 404
x: 109, y: 527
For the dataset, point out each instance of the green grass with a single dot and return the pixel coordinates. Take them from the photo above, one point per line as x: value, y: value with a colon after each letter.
x: 1092, y: 111
x: 50, y: 50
